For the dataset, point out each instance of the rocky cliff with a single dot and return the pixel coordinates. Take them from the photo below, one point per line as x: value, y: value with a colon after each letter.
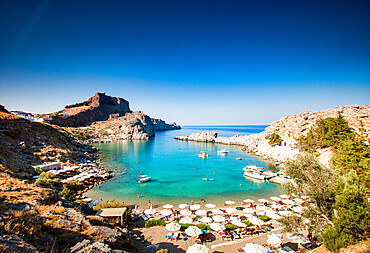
x: 97, y: 108
x: 290, y: 128
x: 110, y: 118
x: 134, y: 125
x: 24, y: 143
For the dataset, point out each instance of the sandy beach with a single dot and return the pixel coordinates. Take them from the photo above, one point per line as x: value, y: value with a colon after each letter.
x: 143, y: 237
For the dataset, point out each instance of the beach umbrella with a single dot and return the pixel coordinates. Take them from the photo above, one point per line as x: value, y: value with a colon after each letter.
x: 249, y: 210
x: 193, y: 231
x: 229, y: 202
x: 217, y: 226
x: 182, y: 206
x: 150, y: 211
x: 201, y: 212
x: 167, y: 206
x: 298, y: 200
x: 235, y: 218
x: 185, y: 212
x: 231, y: 210
x: 166, y: 212
x: 194, y: 207
x: 239, y: 224
x: 210, y: 205
x: 261, y: 208
x: 185, y: 220
x: 273, y: 239
x: 288, y: 201
x: 248, y: 200
x: 284, y: 196
x: 263, y: 200
x: 173, y: 226
x: 197, y: 248
x: 218, y: 218
x: 206, y: 220
x: 275, y: 198
x: 254, y: 248
x: 255, y: 221
x: 97, y: 202
x: 273, y: 215
x: 216, y: 211
x: 297, y: 209
x: 298, y: 238
x: 285, y: 213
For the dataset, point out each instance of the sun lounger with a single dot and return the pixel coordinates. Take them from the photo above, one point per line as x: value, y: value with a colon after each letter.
x: 144, y: 217
x: 175, y: 236
x: 168, y: 236
x: 310, y: 245
x: 241, y: 250
x: 235, y: 235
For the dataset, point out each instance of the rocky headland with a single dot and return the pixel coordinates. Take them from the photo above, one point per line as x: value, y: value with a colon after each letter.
x: 290, y: 128
x: 103, y: 117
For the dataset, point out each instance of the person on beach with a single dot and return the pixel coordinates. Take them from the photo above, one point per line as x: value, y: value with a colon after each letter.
x: 149, y: 203
x: 138, y: 195
x: 192, y: 201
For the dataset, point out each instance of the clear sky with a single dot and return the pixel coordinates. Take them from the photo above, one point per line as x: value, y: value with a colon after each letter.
x: 193, y: 62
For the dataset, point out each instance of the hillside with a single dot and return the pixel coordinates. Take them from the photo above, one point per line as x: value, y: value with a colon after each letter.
x: 24, y: 143
x: 290, y: 128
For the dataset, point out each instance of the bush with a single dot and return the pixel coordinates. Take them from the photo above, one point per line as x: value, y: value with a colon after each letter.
x: 334, y: 240
x: 203, y: 227
x: 109, y: 204
x: 184, y: 226
x: 274, y: 139
x: 231, y: 226
x: 38, y: 170
x: 77, y: 104
x: 247, y: 222
x: 71, y: 189
x: 48, y: 179
x: 153, y: 223
x: 264, y: 218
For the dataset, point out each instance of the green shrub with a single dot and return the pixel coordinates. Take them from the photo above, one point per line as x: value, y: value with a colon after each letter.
x: 231, y: 226
x: 71, y: 189
x: 247, y: 222
x: 264, y: 218
x: 48, y: 179
x: 184, y: 226
x: 203, y: 227
x: 77, y: 104
x: 38, y: 170
x: 274, y: 139
x: 109, y: 204
x: 334, y: 240
x: 153, y: 223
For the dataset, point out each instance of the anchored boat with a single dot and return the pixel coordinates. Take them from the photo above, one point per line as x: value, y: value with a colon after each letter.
x: 144, y: 178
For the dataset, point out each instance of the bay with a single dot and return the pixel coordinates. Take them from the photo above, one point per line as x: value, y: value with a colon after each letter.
x: 177, y: 172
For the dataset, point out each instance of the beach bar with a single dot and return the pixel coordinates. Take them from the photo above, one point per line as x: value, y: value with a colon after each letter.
x: 114, y: 213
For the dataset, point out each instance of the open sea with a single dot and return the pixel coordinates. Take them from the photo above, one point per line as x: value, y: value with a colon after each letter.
x: 177, y: 171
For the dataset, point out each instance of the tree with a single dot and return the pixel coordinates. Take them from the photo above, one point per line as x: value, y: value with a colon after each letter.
x: 338, y: 209
x: 315, y: 181
x: 274, y: 139
x: 48, y: 179
x: 71, y: 189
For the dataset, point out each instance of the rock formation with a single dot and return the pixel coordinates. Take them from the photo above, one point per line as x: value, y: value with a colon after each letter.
x: 290, y: 128
x: 97, y: 108
x: 111, y: 118
x: 2, y: 109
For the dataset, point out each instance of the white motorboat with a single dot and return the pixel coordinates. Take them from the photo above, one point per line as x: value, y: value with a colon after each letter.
x: 144, y: 178
x: 222, y: 151
x: 254, y: 175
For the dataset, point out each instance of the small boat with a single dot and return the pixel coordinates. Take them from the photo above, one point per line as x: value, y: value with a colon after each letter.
x: 238, y: 158
x: 202, y: 154
x: 255, y: 175
x: 144, y: 178
x: 222, y: 151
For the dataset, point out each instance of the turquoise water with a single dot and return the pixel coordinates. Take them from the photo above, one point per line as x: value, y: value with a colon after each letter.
x: 177, y: 171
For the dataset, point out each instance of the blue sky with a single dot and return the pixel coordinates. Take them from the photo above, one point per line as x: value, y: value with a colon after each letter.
x: 193, y: 62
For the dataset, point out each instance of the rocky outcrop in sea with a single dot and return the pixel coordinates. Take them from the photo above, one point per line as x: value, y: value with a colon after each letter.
x: 290, y: 128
